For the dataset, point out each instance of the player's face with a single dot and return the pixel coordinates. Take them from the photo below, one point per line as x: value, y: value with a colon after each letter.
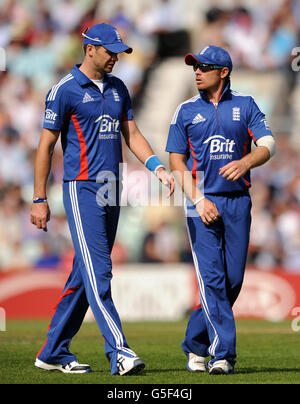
x: 104, y: 60
x: 210, y: 80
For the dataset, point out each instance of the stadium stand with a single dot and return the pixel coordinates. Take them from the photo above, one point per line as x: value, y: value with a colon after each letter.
x: 42, y: 41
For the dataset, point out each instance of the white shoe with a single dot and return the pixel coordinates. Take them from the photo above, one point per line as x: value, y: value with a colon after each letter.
x: 72, y: 367
x: 221, y: 367
x: 129, y: 366
x: 195, y: 363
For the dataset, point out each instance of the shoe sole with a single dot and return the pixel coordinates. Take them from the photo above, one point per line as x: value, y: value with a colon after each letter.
x: 220, y: 371
x: 195, y: 371
x: 51, y: 368
x: 76, y: 372
x: 137, y: 369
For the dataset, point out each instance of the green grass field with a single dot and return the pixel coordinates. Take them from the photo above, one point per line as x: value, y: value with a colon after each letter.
x: 267, y: 353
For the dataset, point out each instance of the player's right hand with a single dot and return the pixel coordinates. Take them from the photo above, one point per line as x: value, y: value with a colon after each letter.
x: 165, y: 178
x: 208, y: 211
x: 40, y: 215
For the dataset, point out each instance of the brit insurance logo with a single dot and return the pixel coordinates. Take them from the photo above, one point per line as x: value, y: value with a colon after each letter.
x: 220, y: 147
x: 50, y: 116
x: 109, y: 127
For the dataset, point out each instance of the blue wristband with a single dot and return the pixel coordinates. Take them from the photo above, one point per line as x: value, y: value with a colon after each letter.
x: 153, y: 163
x: 39, y: 200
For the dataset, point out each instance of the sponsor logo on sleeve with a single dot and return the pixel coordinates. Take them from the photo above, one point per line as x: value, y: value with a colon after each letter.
x: 267, y: 126
x: 50, y: 116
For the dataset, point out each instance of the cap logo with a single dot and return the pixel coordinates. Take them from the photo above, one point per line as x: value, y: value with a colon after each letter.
x: 204, y: 50
x: 118, y: 36
x: 92, y: 39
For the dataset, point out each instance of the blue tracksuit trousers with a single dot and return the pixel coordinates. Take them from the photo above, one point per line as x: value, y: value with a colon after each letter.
x: 220, y: 253
x: 93, y: 230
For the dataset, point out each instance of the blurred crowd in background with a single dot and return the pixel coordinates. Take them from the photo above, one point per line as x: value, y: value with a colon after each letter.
x: 43, y: 41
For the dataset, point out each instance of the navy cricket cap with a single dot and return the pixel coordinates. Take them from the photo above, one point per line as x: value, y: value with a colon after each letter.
x: 107, y: 36
x: 210, y: 55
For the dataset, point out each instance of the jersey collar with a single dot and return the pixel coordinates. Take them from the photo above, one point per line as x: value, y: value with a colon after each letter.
x: 81, y: 78
x: 225, y: 92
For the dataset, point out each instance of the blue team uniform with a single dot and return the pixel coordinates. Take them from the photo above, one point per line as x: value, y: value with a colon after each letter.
x: 211, y: 137
x: 90, y: 123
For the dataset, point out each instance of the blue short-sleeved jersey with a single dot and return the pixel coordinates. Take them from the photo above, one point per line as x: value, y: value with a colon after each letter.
x: 211, y: 137
x: 89, y: 122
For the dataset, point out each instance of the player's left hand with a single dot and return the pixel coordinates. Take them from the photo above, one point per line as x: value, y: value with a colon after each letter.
x: 234, y: 170
x: 40, y: 214
x: 166, y: 179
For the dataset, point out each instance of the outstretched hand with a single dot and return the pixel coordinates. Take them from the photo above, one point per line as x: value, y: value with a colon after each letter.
x: 165, y: 178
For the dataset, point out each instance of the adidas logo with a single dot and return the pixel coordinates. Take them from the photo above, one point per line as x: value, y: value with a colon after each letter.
x: 198, y: 118
x: 87, y: 98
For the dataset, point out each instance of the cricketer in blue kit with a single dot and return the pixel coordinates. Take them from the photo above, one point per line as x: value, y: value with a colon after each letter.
x: 90, y: 108
x: 209, y: 143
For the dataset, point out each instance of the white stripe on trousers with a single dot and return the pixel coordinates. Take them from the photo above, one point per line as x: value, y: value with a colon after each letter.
x: 212, y: 348
x: 117, y: 334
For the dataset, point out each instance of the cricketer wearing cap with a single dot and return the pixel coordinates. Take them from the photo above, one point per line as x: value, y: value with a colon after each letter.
x: 210, y: 140
x: 90, y: 108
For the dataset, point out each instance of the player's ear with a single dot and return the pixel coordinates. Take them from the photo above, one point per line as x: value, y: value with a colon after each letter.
x: 89, y: 50
x: 224, y: 72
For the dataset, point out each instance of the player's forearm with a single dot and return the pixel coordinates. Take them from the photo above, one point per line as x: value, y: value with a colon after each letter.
x: 140, y: 148
x: 43, y: 160
x: 238, y: 168
x: 41, y: 172
x: 135, y: 141
x: 259, y: 156
x: 184, y: 178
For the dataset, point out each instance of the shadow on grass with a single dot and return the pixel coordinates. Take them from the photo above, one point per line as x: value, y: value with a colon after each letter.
x: 237, y: 371
x: 180, y: 370
x: 266, y: 370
